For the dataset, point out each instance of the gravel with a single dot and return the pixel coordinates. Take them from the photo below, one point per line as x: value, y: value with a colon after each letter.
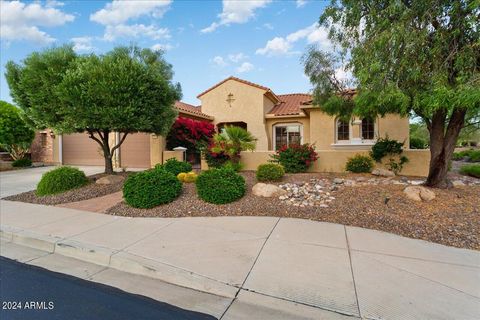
x: 452, y: 218
x: 91, y: 190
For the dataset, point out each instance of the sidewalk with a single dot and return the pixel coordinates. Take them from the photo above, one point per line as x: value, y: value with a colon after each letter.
x: 330, y: 269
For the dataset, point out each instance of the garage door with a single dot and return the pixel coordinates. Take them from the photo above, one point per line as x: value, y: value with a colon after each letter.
x: 135, y: 151
x: 79, y: 149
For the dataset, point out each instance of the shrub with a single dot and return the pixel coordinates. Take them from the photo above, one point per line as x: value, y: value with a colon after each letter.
x: 21, y: 163
x: 359, y: 163
x: 151, y: 188
x: 15, y: 134
x: 175, y: 167
x: 392, y: 148
x: 60, y: 180
x: 471, y: 170
x: 470, y: 155
x: 187, y: 177
x: 417, y: 143
x: 270, y: 172
x: 216, y: 159
x: 296, y: 158
x: 220, y: 186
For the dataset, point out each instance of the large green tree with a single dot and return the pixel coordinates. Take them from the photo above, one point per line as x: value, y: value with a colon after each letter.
x: 126, y: 90
x: 15, y: 134
x: 418, y: 58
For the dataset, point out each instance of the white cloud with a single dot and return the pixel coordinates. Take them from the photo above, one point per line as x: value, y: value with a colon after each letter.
x: 268, y: 26
x: 343, y: 75
x: 82, y: 44
x: 135, y: 31
x: 54, y: 3
x: 245, y: 67
x: 313, y: 34
x: 118, y: 12
x: 163, y: 47
x: 20, y: 21
x: 301, y: 3
x: 237, y: 57
x: 235, y: 11
x: 219, y: 61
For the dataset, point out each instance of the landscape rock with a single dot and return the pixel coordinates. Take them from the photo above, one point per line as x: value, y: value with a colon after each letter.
x: 111, y: 179
x: 383, y: 172
x: 267, y: 190
x: 458, y: 183
x: 418, y: 193
x: 338, y: 181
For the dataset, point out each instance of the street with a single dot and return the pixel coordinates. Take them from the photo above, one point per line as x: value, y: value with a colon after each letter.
x: 29, y: 292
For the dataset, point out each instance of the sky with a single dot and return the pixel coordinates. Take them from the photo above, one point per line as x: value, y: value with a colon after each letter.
x: 205, y: 41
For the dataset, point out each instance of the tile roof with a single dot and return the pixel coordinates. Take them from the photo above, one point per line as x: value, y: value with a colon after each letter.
x: 290, y: 104
x: 190, y: 109
x: 242, y: 81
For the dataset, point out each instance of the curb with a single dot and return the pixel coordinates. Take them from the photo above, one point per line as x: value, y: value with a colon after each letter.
x: 118, y: 260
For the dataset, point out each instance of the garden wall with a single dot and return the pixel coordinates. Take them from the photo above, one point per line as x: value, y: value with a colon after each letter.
x: 335, y: 160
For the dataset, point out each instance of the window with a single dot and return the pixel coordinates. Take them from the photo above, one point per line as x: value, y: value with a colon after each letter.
x: 343, y: 130
x: 43, y: 139
x: 287, y: 135
x: 368, y: 129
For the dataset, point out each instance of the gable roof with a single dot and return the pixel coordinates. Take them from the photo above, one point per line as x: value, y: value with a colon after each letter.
x: 290, y: 104
x: 268, y: 92
x: 183, y: 107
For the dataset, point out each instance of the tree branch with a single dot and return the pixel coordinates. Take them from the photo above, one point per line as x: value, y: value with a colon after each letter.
x: 92, y: 136
x: 120, y: 143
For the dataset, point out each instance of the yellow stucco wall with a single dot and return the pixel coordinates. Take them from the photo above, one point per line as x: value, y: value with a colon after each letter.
x: 248, y: 107
x: 157, y: 147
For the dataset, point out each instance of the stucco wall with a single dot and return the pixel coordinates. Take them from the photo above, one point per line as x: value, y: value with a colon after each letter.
x: 248, y: 107
x: 335, y: 160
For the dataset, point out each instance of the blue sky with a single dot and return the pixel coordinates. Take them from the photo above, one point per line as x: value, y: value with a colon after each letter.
x: 206, y: 41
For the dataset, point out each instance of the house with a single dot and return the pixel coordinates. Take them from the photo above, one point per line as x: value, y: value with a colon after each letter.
x: 274, y: 119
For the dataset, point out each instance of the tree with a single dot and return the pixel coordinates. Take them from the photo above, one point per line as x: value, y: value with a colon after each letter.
x: 126, y: 90
x: 417, y: 58
x: 234, y: 140
x: 15, y: 135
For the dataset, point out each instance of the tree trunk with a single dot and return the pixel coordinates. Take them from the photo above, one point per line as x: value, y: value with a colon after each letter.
x: 104, y: 144
x: 442, y: 146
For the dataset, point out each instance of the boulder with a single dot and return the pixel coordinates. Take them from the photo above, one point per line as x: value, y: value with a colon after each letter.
x: 383, y: 172
x: 458, y: 183
x: 338, y: 181
x: 267, y: 190
x: 419, y: 193
x: 111, y: 179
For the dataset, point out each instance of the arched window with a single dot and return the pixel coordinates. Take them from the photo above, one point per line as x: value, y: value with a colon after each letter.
x: 343, y: 130
x: 368, y: 129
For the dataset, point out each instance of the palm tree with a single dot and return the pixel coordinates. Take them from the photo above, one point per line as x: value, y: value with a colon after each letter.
x: 234, y: 140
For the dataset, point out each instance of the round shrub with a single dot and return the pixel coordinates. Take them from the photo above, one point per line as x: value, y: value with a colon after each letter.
x: 60, y: 180
x: 418, y: 143
x: 220, y: 186
x: 22, y: 163
x: 190, y: 177
x: 270, y: 172
x: 359, y: 163
x: 296, y: 157
x: 472, y: 170
x: 175, y: 167
x: 151, y: 188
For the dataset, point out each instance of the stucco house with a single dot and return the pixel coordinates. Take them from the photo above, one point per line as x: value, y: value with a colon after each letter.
x: 273, y: 119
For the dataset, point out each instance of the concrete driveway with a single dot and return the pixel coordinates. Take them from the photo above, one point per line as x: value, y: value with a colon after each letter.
x: 18, y: 181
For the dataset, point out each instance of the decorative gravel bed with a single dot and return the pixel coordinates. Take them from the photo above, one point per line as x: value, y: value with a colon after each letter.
x: 91, y: 190
x: 452, y: 218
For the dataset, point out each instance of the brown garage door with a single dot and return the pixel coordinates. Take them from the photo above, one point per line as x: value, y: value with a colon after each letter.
x: 79, y: 149
x: 135, y: 151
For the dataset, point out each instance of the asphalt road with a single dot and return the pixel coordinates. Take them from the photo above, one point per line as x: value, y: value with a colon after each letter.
x: 37, y: 293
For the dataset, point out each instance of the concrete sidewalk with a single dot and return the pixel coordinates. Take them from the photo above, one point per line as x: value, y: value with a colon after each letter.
x: 326, y: 271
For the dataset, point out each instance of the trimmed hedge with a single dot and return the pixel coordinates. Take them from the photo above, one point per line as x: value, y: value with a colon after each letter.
x: 22, y: 163
x: 220, y: 186
x: 359, y: 163
x: 148, y: 189
x: 472, y: 170
x: 270, y: 172
x: 175, y: 167
x: 60, y: 180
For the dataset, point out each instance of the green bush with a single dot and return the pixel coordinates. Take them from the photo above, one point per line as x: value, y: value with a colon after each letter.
x: 385, y: 146
x: 60, y: 180
x: 296, y: 157
x: 359, y: 163
x: 175, y: 167
x: 270, y: 172
x: 15, y: 134
x: 417, y: 143
x: 470, y: 155
x: 148, y: 189
x: 471, y: 170
x: 220, y: 186
x: 21, y: 163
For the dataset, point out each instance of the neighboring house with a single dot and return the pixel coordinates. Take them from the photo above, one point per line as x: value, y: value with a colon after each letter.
x: 273, y: 119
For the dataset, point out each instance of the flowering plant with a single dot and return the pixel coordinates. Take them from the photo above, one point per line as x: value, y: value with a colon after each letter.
x: 295, y: 157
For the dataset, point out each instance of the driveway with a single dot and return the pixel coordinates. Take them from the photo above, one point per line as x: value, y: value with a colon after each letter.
x: 18, y: 181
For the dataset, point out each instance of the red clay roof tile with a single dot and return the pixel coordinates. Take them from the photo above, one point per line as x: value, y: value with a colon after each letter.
x: 290, y: 104
x: 182, y: 106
